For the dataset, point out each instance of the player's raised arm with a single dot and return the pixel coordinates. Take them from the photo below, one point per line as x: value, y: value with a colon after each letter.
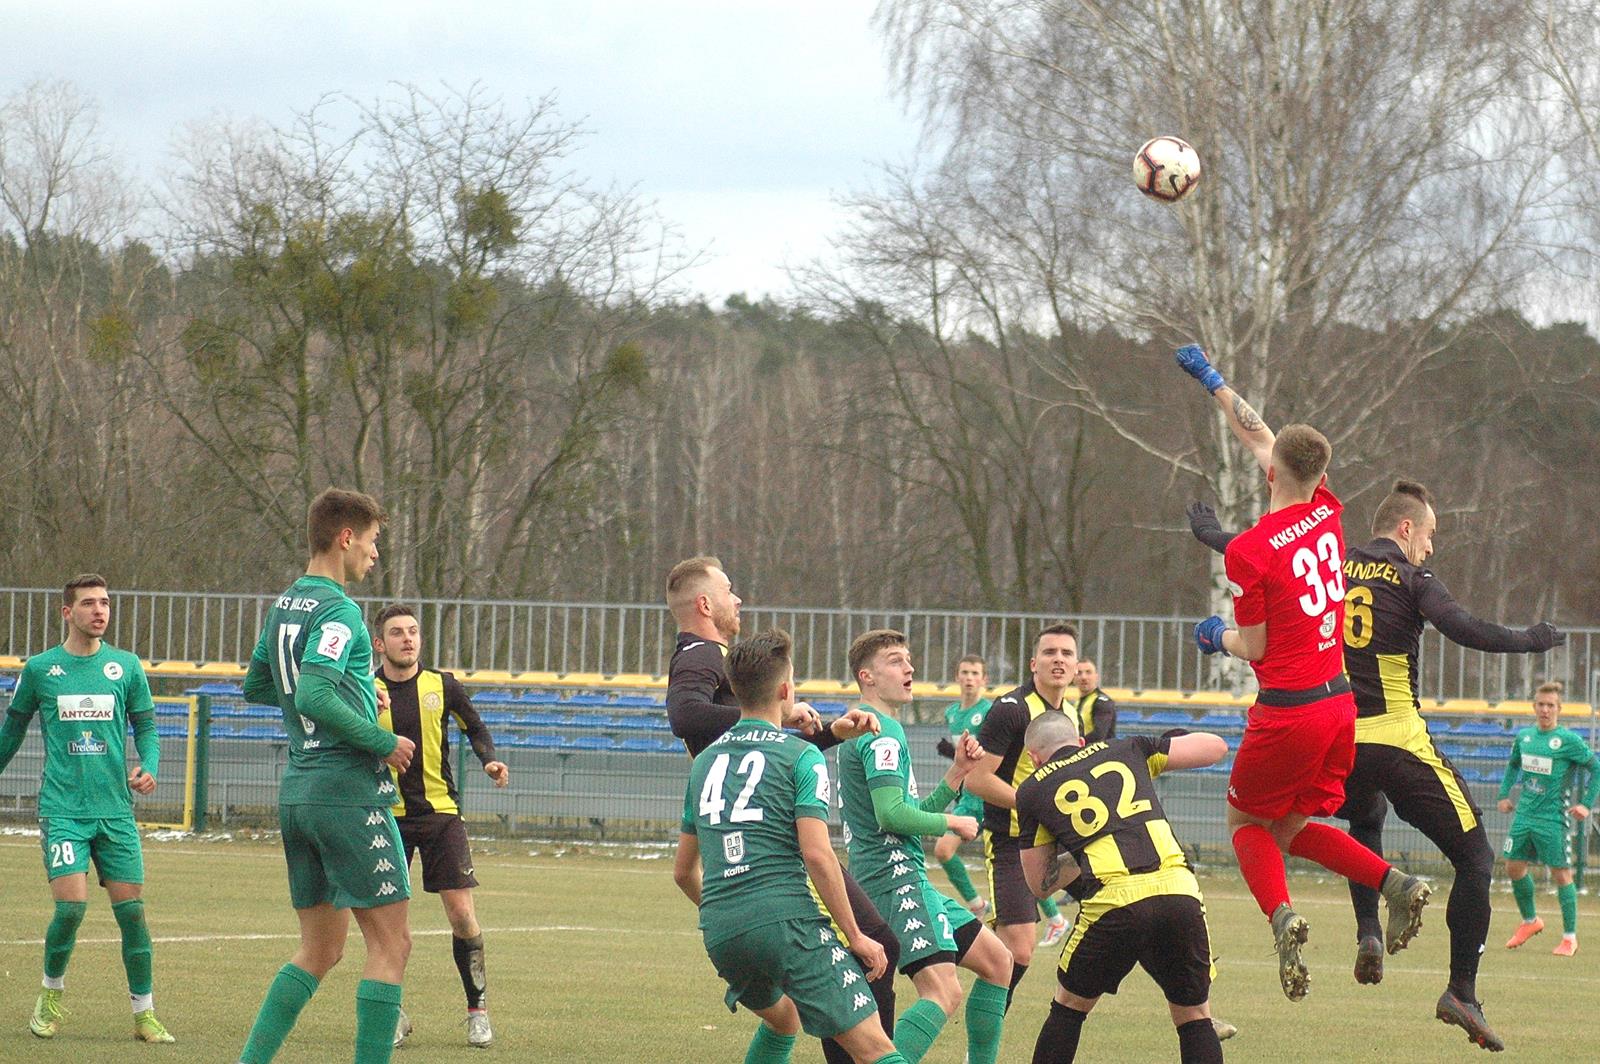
x: 1246, y: 424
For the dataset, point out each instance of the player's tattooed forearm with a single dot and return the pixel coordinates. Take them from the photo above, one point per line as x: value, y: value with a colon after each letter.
x: 1052, y: 874
x: 1249, y: 420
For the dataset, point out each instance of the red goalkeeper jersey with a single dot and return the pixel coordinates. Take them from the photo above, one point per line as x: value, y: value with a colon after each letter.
x: 1286, y: 571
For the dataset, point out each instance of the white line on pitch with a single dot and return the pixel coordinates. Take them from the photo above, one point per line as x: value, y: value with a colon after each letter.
x: 431, y: 931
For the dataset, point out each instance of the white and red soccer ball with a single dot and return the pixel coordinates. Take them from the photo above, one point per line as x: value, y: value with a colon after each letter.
x: 1166, y: 168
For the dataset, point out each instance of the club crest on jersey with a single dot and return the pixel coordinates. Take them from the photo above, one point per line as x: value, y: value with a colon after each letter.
x: 88, y: 746
x: 733, y: 846
x: 432, y: 700
x: 1555, y: 742
x: 1329, y: 621
x: 113, y: 670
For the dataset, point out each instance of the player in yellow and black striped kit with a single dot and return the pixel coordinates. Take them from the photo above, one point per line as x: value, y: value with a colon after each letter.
x: 421, y: 701
x: 1091, y: 822
x: 1389, y: 596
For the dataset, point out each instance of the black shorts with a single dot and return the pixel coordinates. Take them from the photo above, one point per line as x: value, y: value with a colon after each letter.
x: 1423, y: 786
x: 446, y: 855
x: 965, y: 936
x: 1010, y: 900
x: 1165, y: 933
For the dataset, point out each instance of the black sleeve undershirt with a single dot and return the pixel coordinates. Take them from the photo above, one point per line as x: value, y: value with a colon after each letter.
x: 1457, y: 625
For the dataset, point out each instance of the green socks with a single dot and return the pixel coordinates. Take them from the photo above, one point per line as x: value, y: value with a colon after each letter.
x: 1569, y: 908
x: 60, y: 937
x: 135, y: 944
x: 986, y: 1013
x: 1049, y: 908
x: 916, y: 1029
x: 377, y: 1011
x: 892, y: 1058
x: 288, y: 994
x: 769, y: 1047
x: 1522, y: 890
x: 959, y: 879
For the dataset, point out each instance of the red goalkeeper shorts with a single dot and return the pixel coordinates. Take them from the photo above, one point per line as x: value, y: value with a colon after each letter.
x: 1295, y: 760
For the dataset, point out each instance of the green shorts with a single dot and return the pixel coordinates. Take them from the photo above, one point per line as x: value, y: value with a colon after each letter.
x: 804, y: 959
x: 924, y: 921
x: 1545, y: 844
x: 348, y: 856
x: 113, y: 844
x: 969, y: 804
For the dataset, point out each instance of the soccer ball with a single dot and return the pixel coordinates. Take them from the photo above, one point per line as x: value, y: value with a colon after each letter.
x: 1166, y: 168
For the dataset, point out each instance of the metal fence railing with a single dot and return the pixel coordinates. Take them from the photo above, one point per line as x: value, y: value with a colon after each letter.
x: 1142, y: 653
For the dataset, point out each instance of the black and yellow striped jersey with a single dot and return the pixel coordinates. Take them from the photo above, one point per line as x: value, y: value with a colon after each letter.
x: 1386, y: 602
x: 418, y: 709
x: 1098, y: 803
x: 1001, y: 734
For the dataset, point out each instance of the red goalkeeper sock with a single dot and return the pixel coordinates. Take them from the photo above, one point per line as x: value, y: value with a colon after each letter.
x: 1262, y: 867
x: 1338, y: 852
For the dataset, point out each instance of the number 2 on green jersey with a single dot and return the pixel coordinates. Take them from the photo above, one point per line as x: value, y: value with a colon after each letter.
x: 712, y: 803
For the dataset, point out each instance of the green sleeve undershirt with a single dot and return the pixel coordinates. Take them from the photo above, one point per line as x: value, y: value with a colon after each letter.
x: 895, y: 814
x: 147, y: 742
x: 258, y: 686
x: 939, y: 800
x: 12, y: 732
x: 1513, y: 768
x: 1592, y: 794
x: 317, y: 698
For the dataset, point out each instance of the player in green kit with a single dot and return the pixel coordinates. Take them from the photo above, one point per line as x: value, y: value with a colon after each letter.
x: 755, y: 824
x: 1544, y: 756
x: 314, y: 660
x: 85, y: 692
x: 967, y: 716
x: 884, y: 824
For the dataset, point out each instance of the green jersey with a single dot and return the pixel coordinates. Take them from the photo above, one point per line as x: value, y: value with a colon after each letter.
x: 314, y: 627
x: 83, y: 705
x: 960, y: 720
x: 745, y: 792
x: 1544, y: 759
x: 877, y: 857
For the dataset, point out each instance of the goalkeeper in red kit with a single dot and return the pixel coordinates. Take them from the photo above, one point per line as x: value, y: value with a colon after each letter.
x: 1299, y: 741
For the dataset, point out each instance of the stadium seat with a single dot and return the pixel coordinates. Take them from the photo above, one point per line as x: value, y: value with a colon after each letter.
x: 638, y: 722
x: 7, y: 682
x: 1220, y: 720
x: 585, y: 700
x: 494, y: 696
x: 536, y: 742
x: 1169, y: 718
x: 640, y: 746
x: 831, y: 709
x: 543, y: 720
x: 639, y: 702
x: 588, y: 742
x: 1482, y: 727
x: 171, y: 731
x: 217, y: 688
x: 588, y: 721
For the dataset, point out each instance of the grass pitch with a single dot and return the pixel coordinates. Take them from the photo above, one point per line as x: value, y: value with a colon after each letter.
x: 595, y: 958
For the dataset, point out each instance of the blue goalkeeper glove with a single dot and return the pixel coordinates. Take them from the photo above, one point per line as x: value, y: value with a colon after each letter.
x: 1208, y: 636
x: 1192, y: 360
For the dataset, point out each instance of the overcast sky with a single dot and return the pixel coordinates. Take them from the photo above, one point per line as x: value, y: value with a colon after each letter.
x: 741, y: 120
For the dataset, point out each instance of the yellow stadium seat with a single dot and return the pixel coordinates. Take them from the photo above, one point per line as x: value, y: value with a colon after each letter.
x: 535, y: 679
x: 497, y: 677
x: 1155, y: 697
x: 632, y: 680
x: 1216, y: 698
x: 10, y: 661
x: 173, y: 668
x: 220, y: 668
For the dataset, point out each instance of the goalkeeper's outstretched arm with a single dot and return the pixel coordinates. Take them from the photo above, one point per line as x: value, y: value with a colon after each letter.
x: 1247, y: 425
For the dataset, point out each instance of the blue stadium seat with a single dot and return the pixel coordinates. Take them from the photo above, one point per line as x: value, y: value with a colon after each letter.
x: 589, y: 742
x: 588, y: 720
x: 262, y: 731
x: 171, y: 731
x: 497, y: 716
x: 1220, y: 720
x: 637, y: 722
x: 1170, y: 719
x: 640, y: 746
x: 7, y: 682
x: 536, y: 742
x: 496, y: 697
x: 1482, y: 727
x: 585, y: 700
x: 217, y: 687
x: 1437, y: 725
x: 543, y: 720
x: 540, y: 698
x: 831, y: 709
x: 639, y: 702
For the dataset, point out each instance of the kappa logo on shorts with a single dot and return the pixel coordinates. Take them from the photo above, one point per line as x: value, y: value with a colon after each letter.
x: 387, y: 889
x: 914, y: 924
x: 379, y: 842
x: 902, y: 870
x: 383, y: 865
x: 827, y: 936
x: 907, y: 904
x: 851, y: 977
x: 906, y: 889
x: 386, y: 787
x: 860, y: 1001
x: 898, y: 855
x: 920, y: 943
x: 839, y: 954
x: 374, y: 819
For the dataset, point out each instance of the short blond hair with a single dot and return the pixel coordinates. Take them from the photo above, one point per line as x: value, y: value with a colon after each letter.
x: 1551, y: 687
x: 688, y: 579
x: 1302, y: 453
